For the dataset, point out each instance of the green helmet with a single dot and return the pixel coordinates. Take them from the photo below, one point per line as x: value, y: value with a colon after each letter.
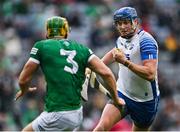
x: 57, y: 27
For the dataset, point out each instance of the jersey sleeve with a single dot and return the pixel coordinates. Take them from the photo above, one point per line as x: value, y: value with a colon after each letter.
x: 88, y: 53
x: 35, y: 53
x: 91, y: 55
x: 148, y: 48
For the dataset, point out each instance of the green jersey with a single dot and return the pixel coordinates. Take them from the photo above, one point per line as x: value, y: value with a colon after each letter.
x: 63, y: 63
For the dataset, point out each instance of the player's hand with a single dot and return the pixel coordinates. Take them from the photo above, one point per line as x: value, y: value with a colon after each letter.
x: 20, y: 93
x: 119, y: 55
x: 120, y: 102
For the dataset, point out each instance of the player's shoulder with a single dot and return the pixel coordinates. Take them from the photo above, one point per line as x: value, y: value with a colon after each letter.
x: 38, y: 44
x: 146, y: 37
x: 43, y: 41
x: 73, y: 42
x: 77, y: 44
x: 81, y: 48
x: 119, y: 40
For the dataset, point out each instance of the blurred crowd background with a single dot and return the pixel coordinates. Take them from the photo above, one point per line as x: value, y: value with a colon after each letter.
x: 91, y: 21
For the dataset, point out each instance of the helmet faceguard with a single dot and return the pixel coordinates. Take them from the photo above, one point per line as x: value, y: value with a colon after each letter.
x: 126, y: 14
x: 57, y: 27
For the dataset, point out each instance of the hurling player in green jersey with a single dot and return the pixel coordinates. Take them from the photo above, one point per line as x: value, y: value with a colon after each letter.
x: 63, y: 63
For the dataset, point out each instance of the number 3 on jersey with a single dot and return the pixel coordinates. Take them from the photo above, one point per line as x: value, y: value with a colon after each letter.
x: 70, y: 55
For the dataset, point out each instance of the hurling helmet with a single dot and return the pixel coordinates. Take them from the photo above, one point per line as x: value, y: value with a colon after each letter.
x: 125, y: 13
x: 57, y: 27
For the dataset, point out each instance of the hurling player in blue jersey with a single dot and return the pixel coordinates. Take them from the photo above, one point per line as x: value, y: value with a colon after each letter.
x: 136, y: 52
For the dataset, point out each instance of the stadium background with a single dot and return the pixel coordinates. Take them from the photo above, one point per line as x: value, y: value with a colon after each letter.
x: 22, y: 23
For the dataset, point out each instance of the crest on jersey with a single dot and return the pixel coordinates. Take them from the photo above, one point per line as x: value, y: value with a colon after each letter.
x: 128, y: 46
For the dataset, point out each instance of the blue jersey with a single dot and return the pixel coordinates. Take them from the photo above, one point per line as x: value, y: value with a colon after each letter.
x: 140, y: 47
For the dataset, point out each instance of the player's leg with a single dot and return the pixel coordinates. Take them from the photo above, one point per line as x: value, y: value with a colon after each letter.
x: 143, y: 114
x: 28, y: 128
x: 57, y: 121
x: 110, y: 116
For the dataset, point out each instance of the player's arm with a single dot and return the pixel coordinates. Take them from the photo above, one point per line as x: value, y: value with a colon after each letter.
x: 26, y: 77
x: 108, y: 58
x: 100, y: 68
x: 147, y: 70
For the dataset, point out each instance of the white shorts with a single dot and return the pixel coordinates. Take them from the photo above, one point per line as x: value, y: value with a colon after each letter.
x: 58, y: 121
